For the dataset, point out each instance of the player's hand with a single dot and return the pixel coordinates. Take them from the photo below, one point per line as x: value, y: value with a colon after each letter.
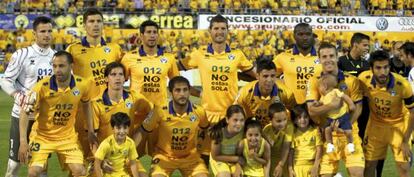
x: 406, y: 151
x: 252, y: 153
x: 278, y: 171
x: 93, y: 140
x: 107, y: 166
x: 28, y: 102
x: 292, y: 172
x: 24, y: 152
x: 238, y: 172
x: 314, y: 172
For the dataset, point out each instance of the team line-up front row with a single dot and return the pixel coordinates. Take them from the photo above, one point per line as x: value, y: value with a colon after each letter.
x: 240, y: 146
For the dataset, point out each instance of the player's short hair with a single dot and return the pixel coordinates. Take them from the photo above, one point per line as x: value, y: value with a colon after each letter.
x: 111, y: 66
x: 252, y: 122
x: 41, y: 20
x: 147, y: 23
x: 215, y: 132
x: 378, y: 55
x: 177, y: 79
x: 408, y: 48
x: 68, y: 56
x: 218, y: 19
x: 276, y: 108
x: 89, y: 12
x: 327, y: 45
x: 301, y: 25
x: 120, y: 119
x: 358, y: 37
x: 300, y: 110
x: 329, y: 80
x: 265, y: 64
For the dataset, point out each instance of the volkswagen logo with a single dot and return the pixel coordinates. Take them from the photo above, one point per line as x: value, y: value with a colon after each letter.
x: 382, y: 24
x: 406, y: 21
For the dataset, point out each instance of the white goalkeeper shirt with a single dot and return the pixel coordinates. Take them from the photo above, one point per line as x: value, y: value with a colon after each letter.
x: 27, y: 66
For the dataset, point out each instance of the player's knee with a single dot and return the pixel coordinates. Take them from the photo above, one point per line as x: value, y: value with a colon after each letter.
x: 356, y: 173
x: 34, y: 171
x: 403, y: 168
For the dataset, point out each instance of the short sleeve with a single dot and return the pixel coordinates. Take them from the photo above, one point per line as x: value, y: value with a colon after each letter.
x: 278, y: 62
x: 119, y: 53
x: 289, y: 132
x: 102, y: 150
x: 244, y: 64
x: 339, y: 93
x: 355, y: 90
x: 173, y: 71
x: 38, y: 90
x: 318, y: 141
x: 190, y: 61
x: 312, y: 93
x: 203, y: 118
x: 88, y: 92
x: 127, y: 65
x: 133, y: 155
x: 96, y: 113
x: 408, y: 95
x: 143, y: 107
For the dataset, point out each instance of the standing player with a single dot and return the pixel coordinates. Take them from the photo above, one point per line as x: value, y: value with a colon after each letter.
x: 355, y: 62
x: 390, y: 102
x: 55, y: 101
x: 27, y: 66
x: 256, y: 97
x: 149, y: 66
x: 90, y: 56
x: 350, y: 86
x: 178, y: 124
x: 407, y: 57
x: 300, y: 63
x: 218, y: 66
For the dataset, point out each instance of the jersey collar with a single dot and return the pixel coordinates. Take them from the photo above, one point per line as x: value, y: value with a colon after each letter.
x: 295, y: 51
x: 256, y: 91
x: 172, y: 111
x: 86, y: 43
x: 160, y: 51
x: 40, y: 50
x: 390, y: 83
x: 107, y: 101
x: 211, y: 50
x: 54, y: 86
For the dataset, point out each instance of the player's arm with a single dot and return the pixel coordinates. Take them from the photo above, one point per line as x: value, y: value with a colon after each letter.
x: 284, y: 156
x: 405, y: 148
x: 149, y: 124
x: 134, y: 168
x: 24, y: 148
x: 348, y: 101
x: 290, y: 162
x: 13, y: 70
x: 266, y: 157
x: 97, y: 167
x: 247, y: 76
x: 317, y: 109
x: 87, y: 108
x: 318, y: 158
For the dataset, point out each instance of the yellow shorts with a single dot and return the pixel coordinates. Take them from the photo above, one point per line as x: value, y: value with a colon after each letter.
x: 204, y: 140
x: 376, y: 142
x: 330, y: 162
x: 67, y: 149
x: 302, y: 169
x: 220, y: 167
x: 188, y: 166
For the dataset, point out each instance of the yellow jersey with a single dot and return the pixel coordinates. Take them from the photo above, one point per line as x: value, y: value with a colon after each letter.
x: 305, y: 143
x: 297, y: 70
x: 388, y: 104
x: 134, y: 104
x: 253, y: 168
x: 218, y: 72
x: 228, y: 145
x: 177, y: 137
x: 117, y: 154
x: 326, y: 99
x: 56, y: 109
x: 254, y: 104
x: 149, y: 74
x: 89, y: 61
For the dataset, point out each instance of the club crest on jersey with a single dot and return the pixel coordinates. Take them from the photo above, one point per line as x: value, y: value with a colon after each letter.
x: 107, y: 50
x: 317, y: 61
x: 163, y: 60
x: 231, y: 57
x: 193, y: 118
x: 393, y: 93
x: 76, y: 92
x: 128, y: 104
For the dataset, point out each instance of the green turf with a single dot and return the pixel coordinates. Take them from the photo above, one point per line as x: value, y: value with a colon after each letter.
x: 54, y: 169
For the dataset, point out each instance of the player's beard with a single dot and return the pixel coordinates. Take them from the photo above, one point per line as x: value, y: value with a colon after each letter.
x: 181, y: 103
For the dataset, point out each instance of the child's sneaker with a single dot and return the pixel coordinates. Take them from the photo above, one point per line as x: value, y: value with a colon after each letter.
x: 351, y: 147
x: 330, y: 148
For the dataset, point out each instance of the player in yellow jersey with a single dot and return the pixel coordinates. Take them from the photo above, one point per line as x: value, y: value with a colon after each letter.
x: 178, y: 124
x: 218, y: 66
x: 390, y: 101
x: 280, y: 140
x: 350, y: 85
x: 149, y: 67
x: 306, y: 151
x: 299, y: 64
x: 119, y: 149
x: 55, y: 103
x: 256, y: 97
x: 91, y: 55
